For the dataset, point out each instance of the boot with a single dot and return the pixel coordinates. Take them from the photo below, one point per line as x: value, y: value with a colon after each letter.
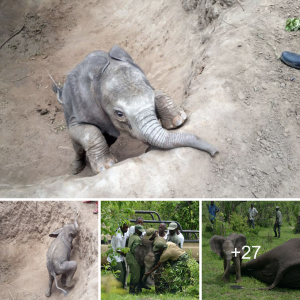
x: 144, y: 286
x: 138, y: 288
x: 291, y: 59
x: 132, y: 288
x: 275, y: 234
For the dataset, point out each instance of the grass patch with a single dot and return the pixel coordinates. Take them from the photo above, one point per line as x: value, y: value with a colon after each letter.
x: 212, y: 270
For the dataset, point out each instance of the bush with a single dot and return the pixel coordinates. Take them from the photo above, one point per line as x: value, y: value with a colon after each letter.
x: 185, y: 277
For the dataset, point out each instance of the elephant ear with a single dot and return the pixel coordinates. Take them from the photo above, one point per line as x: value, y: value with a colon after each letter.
x: 240, y: 240
x: 118, y: 53
x: 216, y: 243
x: 56, y: 232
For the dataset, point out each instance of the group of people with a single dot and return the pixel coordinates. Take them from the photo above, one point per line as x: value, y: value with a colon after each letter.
x: 252, y: 213
x: 167, y: 247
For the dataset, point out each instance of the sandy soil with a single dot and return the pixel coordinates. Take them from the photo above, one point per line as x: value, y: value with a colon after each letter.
x: 24, y: 230
x: 219, y: 62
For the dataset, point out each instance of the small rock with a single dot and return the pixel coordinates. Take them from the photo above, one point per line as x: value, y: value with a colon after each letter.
x: 282, y: 84
x: 42, y: 111
x: 278, y: 169
x: 241, y: 96
x: 252, y: 172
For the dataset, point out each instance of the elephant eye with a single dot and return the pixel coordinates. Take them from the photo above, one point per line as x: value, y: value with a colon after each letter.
x: 119, y: 113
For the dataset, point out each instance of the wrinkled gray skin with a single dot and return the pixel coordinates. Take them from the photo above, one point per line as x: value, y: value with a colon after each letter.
x: 145, y: 257
x: 58, y: 257
x: 224, y: 248
x: 107, y: 93
x: 279, y: 267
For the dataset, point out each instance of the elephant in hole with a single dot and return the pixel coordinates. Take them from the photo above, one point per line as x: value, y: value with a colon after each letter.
x: 279, y: 267
x: 224, y: 248
x: 108, y: 93
x: 58, y: 257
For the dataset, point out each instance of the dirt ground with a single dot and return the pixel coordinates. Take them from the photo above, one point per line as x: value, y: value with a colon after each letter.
x: 218, y: 59
x: 24, y: 229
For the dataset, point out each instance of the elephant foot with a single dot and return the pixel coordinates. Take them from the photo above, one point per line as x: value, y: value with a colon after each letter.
x: 78, y: 165
x: 69, y: 283
x: 48, y: 293
x: 103, y: 164
x: 170, y: 115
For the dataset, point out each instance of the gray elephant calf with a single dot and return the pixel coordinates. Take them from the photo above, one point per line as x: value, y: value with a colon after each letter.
x: 58, y: 257
x: 225, y: 248
x: 107, y: 93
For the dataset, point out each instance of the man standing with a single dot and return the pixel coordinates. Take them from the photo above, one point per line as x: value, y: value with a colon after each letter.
x: 278, y: 222
x: 180, y: 236
x: 161, y: 230
x: 298, y: 222
x: 213, y: 209
x: 119, y: 241
x: 138, y: 221
x: 252, y: 214
x: 135, y: 269
x: 172, y: 236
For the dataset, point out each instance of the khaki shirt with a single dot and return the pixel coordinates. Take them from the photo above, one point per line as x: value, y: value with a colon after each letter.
x: 173, y: 252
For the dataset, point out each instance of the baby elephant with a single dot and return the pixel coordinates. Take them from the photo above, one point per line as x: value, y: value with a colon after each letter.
x: 108, y: 93
x: 58, y: 257
x: 225, y: 248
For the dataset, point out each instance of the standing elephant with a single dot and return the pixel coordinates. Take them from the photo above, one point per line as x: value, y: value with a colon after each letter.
x: 225, y: 248
x: 277, y: 267
x: 107, y: 93
x: 58, y: 257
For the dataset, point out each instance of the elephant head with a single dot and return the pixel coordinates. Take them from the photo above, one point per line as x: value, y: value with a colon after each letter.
x: 227, y: 249
x: 130, y: 101
x: 58, y: 256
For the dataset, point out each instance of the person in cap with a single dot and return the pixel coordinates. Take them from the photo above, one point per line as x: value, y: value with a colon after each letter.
x: 118, y: 241
x: 138, y: 221
x: 171, y: 253
x: 172, y: 236
x: 278, y: 222
x: 160, y: 284
x: 252, y: 214
x: 135, y: 269
x: 298, y: 222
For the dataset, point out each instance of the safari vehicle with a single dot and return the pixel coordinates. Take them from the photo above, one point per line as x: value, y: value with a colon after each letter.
x: 191, y: 239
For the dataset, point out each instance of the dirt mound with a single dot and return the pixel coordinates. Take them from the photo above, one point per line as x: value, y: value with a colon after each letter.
x: 217, y: 59
x: 25, y: 229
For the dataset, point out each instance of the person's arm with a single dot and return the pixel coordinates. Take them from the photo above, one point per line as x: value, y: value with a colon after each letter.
x: 159, y: 263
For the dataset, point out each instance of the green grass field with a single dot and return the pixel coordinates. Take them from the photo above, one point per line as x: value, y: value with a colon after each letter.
x: 212, y: 270
x: 145, y: 295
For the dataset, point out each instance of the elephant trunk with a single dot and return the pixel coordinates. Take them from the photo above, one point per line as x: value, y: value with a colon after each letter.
x: 227, y: 270
x: 153, y: 133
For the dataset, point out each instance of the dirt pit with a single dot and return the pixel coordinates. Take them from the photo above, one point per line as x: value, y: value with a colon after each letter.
x: 24, y: 231
x: 217, y: 59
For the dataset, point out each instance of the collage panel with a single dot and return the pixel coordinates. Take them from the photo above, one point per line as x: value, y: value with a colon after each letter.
x: 48, y: 250
x: 150, y: 249
x: 251, y: 249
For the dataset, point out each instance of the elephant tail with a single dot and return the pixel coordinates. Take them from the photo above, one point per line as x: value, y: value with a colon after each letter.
x: 54, y: 275
x: 56, y: 89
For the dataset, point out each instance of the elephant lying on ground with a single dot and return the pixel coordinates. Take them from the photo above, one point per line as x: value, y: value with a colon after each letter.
x: 107, y: 93
x: 58, y: 257
x: 277, y: 267
x: 224, y: 248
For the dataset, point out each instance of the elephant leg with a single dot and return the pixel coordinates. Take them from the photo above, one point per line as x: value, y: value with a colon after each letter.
x: 51, y: 279
x: 94, y: 144
x: 63, y: 279
x: 170, y: 115
x: 79, y: 161
x: 69, y: 268
x: 238, y: 269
